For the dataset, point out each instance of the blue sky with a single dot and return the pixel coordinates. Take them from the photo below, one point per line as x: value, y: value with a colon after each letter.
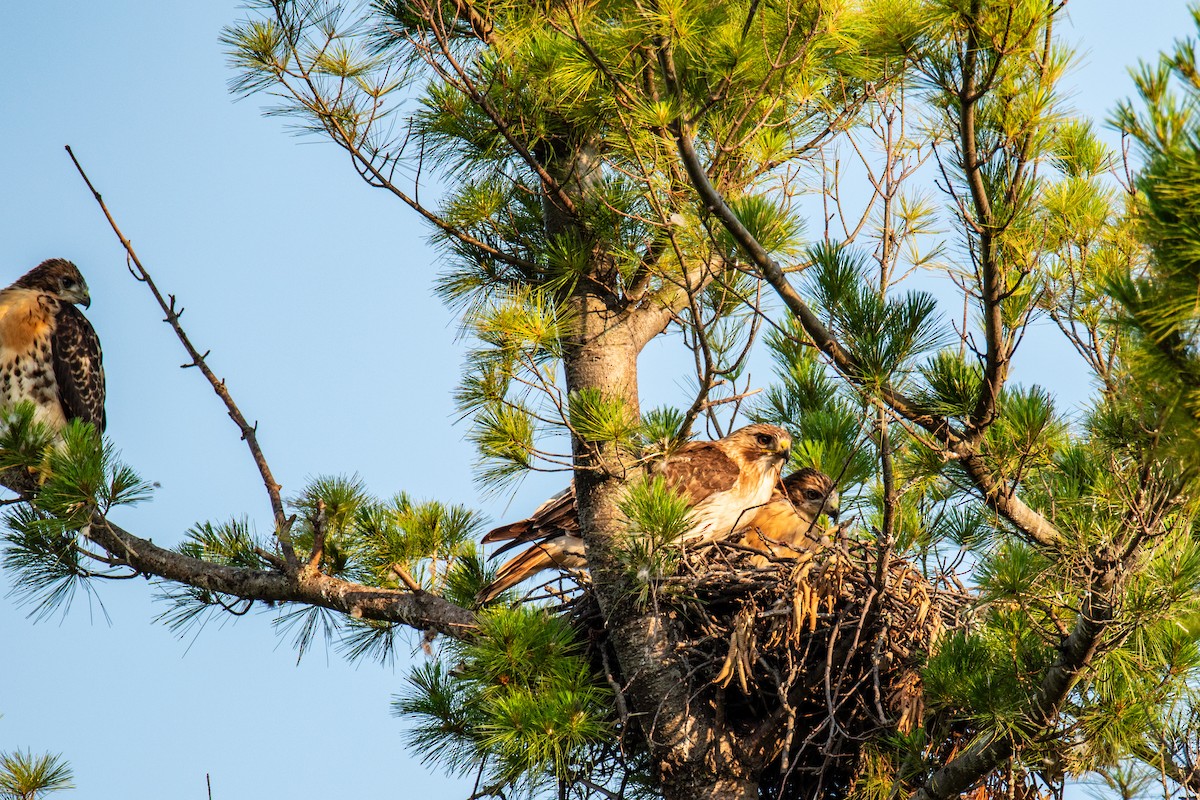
x: 313, y: 292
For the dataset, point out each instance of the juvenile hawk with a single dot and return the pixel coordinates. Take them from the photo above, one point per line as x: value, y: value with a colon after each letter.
x: 723, y: 480
x: 787, y: 526
x: 49, y: 352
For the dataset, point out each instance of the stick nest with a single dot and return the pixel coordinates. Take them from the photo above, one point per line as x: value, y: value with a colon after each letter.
x: 807, y: 659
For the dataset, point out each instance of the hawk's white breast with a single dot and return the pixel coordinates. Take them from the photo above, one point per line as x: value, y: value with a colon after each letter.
x: 722, y: 513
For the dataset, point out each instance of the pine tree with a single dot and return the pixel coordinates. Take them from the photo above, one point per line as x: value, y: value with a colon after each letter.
x: 1016, y: 605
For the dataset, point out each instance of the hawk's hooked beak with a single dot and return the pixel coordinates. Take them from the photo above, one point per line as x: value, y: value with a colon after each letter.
x: 831, y: 507
x: 86, y: 302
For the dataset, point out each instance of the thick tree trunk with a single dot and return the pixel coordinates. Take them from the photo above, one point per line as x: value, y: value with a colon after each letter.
x: 715, y: 788
x: 693, y: 755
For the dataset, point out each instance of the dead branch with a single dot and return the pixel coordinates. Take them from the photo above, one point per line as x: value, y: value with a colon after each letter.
x: 249, y: 432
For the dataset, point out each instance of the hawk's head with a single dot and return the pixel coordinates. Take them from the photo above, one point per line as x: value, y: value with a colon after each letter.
x: 812, y: 493
x: 58, y: 278
x: 767, y: 445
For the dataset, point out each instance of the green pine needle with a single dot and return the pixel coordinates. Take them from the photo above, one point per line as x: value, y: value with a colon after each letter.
x: 24, y: 776
x: 595, y: 418
x: 45, y: 560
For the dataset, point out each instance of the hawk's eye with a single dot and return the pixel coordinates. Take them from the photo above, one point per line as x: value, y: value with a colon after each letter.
x: 812, y: 494
x: 765, y: 440
x: 67, y: 283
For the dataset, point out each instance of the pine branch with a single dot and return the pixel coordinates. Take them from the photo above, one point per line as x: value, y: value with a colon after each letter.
x: 995, y: 361
x: 1076, y: 653
x: 1001, y: 497
x: 416, y: 609
x: 369, y: 165
x: 771, y: 272
x: 555, y: 192
x: 998, y: 497
x: 1183, y: 769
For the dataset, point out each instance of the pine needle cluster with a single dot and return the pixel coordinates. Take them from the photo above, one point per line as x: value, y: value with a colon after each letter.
x: 396, y: 544
x: 520, y: 705
x: 68, y: 480
x: 24, y: 776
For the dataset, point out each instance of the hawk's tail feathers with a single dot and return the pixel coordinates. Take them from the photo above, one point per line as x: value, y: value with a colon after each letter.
x: 514, y: 533
x: 516, y: 569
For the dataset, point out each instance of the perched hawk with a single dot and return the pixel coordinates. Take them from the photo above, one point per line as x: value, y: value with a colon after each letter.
x: 723, y: 480
x: 787, y: 526
x: 49, y: 353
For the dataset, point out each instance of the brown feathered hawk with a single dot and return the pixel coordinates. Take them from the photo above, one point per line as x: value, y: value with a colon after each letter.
x: 787, y: 526
x: 723, y: 481
x: 49, y: 352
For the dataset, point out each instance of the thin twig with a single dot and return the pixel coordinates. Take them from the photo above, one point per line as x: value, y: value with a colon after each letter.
x: 320, y: 525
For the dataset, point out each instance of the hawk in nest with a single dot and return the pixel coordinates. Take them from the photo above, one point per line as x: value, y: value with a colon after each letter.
x: 49, y: 352
x: 787, y: 526
x: 723, y: 480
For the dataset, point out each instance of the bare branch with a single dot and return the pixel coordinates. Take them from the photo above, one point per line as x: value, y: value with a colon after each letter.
x: 249, y: 432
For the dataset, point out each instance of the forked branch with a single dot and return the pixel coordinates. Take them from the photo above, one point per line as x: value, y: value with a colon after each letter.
x: 954, y: 445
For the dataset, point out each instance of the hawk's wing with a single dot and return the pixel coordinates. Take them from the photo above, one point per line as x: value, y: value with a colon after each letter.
x: 78, y: 367
x: 552, y: 533
x: 699, y: 470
